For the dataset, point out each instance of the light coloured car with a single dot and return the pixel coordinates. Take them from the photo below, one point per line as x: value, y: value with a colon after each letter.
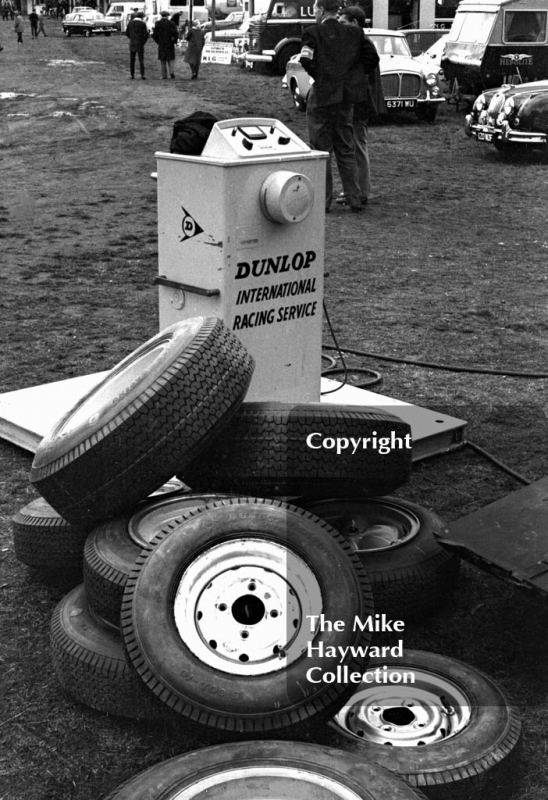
x: 407, y: 84
x: 88, y: 22
x: 230, y: 35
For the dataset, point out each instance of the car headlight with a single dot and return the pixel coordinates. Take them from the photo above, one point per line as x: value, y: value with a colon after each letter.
x: 434, y: 91
x: 479, y: 103
x: 431, y: 79
x: 509, y: 106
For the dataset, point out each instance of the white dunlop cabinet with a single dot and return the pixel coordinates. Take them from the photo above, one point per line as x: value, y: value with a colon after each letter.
x: 241, y: 237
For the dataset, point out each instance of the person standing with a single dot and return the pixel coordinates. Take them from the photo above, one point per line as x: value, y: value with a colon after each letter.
x: 166, y: 34
x: 19, y: 27
x: 338, y: 57
x: 33, y: 19
x: 371, y: 107
x: 41, y: 28
x: 137, y: 33
x: 196, y: 39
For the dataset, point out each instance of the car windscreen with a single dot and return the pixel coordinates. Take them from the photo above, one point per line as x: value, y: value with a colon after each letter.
x: 390, y: 45
x: 472, y: 27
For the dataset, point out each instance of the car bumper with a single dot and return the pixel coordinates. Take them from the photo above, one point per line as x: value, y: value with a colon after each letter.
x: 509, y: 134
x: 263, y: 58
x: 480, y: 131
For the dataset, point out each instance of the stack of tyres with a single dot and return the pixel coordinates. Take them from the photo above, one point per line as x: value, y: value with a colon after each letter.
x: 211, y: 604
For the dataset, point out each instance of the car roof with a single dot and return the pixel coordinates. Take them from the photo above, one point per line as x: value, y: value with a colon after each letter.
x: 384, y: 32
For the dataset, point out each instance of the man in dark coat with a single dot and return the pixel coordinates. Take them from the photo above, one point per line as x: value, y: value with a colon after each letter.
x: 166, y: 34
x: 137, y: 33
x: 33, y: 19
x: 338, y: 57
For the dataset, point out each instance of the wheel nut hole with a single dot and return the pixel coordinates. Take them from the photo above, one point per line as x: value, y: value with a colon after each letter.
x: 222, y: 606
x: 244, y: 634
x: 398, y: 715
x: 274, y: 613
x: 244, y: 657
x: 213, y: 644
x: 248, y: 609
x: 251, y: 587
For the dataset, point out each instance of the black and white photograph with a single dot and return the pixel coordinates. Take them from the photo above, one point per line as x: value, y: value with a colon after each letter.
x: 273, y: 400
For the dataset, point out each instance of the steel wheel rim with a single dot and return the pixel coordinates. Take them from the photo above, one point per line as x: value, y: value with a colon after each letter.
x: 266, y: 783
x: 370, y: 526
x: 146, y: 523
x: 242, y: 606
x: 431, y: 710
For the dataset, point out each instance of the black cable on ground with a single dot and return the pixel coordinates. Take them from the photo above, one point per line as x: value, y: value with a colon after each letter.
x: 376, y: 377
x: 430, y: 365
x: 338, y: 349
x: 498, y: 463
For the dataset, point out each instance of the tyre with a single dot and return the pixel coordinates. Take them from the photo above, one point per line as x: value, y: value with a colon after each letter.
x: 298, y: 99
x: 43, y: 540
x: 269, y: 770
x: 112, y: 548
x: 151, y: 414
x: 285, y: 54
x: 277, y: 449
x: 68, y: 32
x: 90, y: 664
x: 219, y: 617
x: 410, y: 574
x: 452, y: 733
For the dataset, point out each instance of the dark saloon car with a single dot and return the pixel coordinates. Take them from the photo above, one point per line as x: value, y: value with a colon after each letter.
x: 511, y: 116
x: 88, y: 22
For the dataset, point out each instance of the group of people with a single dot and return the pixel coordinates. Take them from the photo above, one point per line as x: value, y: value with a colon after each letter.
x: 166, y: 34
x: 345, y: 95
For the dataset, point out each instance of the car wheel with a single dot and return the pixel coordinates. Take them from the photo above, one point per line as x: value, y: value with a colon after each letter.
x: 155, y: 409
x: 285, y: 54
x: 410, y: 574
x: 88, y: 34
x: 44, y: 540
x: 90, y: 664
x: 451, y: 732
x: 219, y: 617
x: 68, y: 32
x: 267, y: 770
x: 112, y: 548
x: 267, y: 450
x: 300, y: 103
x: 427, y: 113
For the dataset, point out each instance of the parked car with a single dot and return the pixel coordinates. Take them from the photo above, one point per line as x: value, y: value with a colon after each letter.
x: 121, y: 13
x: 421, y: 39
x: 407, y: 85
x: 88, y: 23
x: 511, y: 116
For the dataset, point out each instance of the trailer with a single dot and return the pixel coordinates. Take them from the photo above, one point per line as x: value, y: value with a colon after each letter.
x: 493, y: 42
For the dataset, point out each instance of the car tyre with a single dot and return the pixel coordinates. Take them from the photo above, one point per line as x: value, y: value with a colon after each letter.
x: 216, y: 616
x: 287, y: 52
x: 90, y: 663
x: 155, y: 410
x: 265, y: 451
x: 268, y: 770
x: 300, y: 102
x: 43, y: 540
x: 411, y: 575
x: 453, y: 732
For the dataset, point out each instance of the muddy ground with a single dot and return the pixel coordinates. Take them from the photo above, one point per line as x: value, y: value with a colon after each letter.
x: 447, y: 266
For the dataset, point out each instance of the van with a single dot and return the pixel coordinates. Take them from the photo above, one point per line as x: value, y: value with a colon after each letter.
x: 121, y: 13
x: 275, y: 36
x: 153, y: 9
x: 492, y: 42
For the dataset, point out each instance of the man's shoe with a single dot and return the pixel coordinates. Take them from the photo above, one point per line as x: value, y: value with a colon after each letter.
x: 172, y: 75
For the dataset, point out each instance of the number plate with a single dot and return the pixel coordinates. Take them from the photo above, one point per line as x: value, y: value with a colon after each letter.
x: 485, y: 137
x: 401, y: 103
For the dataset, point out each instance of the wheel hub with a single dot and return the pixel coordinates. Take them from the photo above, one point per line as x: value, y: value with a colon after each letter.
x: 430, y: 710
x: 242, y: 606
x: 266, y: 783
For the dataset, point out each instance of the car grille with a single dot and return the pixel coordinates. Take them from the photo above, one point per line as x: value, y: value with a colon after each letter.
x: 401, y: 84
x: 254, y: 35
